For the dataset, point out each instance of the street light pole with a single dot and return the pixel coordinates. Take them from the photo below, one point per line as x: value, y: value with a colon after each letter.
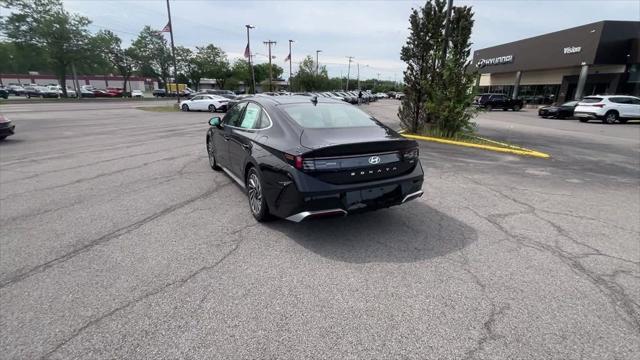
x: 317, y: 63
x: 253, y: 76
x: 358, y: 64
x: 349, y: 70
x: 173, y: 53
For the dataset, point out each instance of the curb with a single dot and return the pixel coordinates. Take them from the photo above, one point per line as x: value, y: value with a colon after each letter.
x: 510, y: 149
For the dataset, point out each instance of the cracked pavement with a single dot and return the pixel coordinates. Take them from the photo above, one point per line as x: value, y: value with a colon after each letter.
x: 118, y: 241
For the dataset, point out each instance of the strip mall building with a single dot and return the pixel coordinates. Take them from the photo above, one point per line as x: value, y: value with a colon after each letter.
x: 597, y: 58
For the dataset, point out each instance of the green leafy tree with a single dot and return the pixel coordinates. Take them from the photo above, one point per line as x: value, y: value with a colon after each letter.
x: 214, y: 62
x: 438, y: 89
x: 62, y: 36
x: 188, y: 67
x: 111, y: 46
x: 151, y: 55
x: 20, y: 58
x: 306, y: 78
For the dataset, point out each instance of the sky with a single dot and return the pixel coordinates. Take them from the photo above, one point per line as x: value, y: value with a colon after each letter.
x: 373, y: 32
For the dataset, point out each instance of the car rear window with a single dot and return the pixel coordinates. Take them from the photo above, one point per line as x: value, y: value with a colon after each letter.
x: 590, y: 100
x: 325, y: 115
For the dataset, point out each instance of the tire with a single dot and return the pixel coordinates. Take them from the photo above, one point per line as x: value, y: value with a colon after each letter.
x: 516, y: 108
x: 583, y: 120
x: 544, y: 116
x: 610, y: 118
x: 257, y: 202
x: 212, y: 156
x: 2, y: 138
x: 212, y: 108
x: 488, y: 108
x: 185, y: 107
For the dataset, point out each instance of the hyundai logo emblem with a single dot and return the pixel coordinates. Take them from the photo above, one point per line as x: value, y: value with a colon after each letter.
x: 374, y: 160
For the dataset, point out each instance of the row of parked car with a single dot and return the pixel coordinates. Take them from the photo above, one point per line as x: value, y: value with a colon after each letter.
x: 609, y: 109
x: 56, y: 91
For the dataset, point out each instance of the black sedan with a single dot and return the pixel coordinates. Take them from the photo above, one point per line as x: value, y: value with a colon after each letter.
x: 558, y: 111
x: 305, y: 157
x: 7, y: 128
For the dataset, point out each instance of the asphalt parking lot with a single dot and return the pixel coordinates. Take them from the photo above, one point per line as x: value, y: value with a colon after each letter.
x: 118, y: 241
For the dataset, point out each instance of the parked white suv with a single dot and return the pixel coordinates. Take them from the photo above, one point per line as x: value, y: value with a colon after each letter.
x: 608, y: 108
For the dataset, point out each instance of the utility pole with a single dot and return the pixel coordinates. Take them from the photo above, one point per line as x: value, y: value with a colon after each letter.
x: 446, y: 32
x: 173, y: 53
x: 377, y: 80
x: 269, y: 43
x: 317, y: 63
x: 290, y: 65
x: 358, y: 64
x: 253, y: 76
x: 349, y: 70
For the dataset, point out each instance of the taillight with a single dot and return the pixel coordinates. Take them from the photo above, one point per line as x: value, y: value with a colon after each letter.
x: 294, y: 160
x: 598, y: 105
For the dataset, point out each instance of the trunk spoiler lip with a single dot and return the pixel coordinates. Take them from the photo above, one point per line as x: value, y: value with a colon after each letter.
x: 400, y: 139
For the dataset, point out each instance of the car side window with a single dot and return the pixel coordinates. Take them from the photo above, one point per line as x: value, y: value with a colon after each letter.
x: 251, y: 116
x: 635, y: 101
x: 264, y: 121
x: 197, y: 97
x: 233, y: 116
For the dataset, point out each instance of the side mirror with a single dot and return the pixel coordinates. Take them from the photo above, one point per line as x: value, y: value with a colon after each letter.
x: 214, y: 121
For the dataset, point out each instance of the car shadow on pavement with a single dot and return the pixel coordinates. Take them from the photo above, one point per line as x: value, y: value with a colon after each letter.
x: 408, y: 233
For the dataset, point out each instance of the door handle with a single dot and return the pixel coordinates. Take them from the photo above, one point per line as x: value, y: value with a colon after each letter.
x: 246, y: 146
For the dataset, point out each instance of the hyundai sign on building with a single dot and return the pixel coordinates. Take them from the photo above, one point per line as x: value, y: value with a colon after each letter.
x: 598, y: 58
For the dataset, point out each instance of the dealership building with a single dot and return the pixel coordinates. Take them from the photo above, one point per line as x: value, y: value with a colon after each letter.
x: 597, y: 58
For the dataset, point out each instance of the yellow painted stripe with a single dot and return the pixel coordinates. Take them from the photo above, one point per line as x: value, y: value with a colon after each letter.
x: 510, y: 149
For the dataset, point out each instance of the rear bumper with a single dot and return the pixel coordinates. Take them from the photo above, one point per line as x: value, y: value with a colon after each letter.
x: 296, y: 204
x: 586, y: 115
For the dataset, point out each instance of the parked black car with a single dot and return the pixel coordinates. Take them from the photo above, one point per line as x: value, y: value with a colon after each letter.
x: 4, y: 93
x: 562, y: 111
x: 300, y: 157
x: 497, y: 101
x: 7, y: 128
x: 159, y: 93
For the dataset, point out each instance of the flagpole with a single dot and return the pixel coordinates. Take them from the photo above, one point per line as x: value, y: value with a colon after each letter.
x: 290, y: 67
x: 253, y: 76
x: 173, y: 53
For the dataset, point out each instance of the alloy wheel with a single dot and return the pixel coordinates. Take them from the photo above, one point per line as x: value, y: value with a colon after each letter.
x: 212, y: 108
x: 611, y: 118
x: 255, y: 193
x: 212, y: 157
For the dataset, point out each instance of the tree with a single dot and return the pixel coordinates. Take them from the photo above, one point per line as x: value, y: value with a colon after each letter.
x: 111, y: 46
x: 188, y: 66
x: 437, y: 89
x: 45, y: 24
x: 18, y: 58
x: 152, y: 55
x: 306, y: 78
x: 214, y: 63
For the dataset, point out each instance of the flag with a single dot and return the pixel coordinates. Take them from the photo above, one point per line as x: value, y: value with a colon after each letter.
x: 288, y: 58
x: 247, y: 53
x: 167, y: 28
